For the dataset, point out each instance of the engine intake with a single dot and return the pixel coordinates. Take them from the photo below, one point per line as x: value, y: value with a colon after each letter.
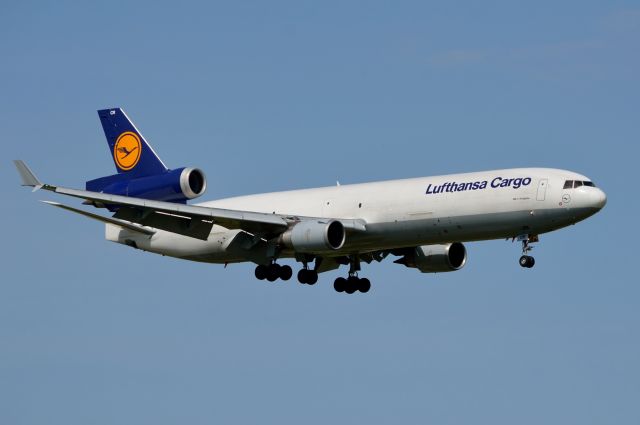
x: 436, y: 258
x: 314, y: 236
x: 192, y: 182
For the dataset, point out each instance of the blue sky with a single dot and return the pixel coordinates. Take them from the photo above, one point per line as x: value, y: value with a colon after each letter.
x: 267, y: 96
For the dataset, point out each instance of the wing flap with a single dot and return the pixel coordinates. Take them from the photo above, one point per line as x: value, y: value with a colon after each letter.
x: 185, y: 225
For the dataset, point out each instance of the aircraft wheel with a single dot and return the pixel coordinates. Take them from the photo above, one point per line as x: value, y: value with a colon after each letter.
x: 352, y: 285
x: 340, y: 284
x: 527, y: 261
x: 306, y: 276
x: 302, y: 276
x: 364, y: 285
x: 261, y: 272
x: 524, y: 260
x: 273, y: 271
x: 285, y: 272
x: 312, y: 277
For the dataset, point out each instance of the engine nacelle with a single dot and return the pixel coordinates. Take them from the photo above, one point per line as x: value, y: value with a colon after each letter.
x: 315, y: 236
x: 177, y: 185
x: 436, y: 258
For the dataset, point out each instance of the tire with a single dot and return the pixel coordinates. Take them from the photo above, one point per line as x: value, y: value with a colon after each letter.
x: 340, y: 284
x: 261, y: 272
x: 364, y: 285
x: 524, y: 261
x: 302, y: 276
x: 532, y: 262
x: 352, y: 285
x: 312, y: 277
x: 286, y: 272
x: 273, y: 271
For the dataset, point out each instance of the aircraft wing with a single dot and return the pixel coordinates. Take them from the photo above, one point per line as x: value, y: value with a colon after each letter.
x: 188, y: 220
x: 118, y: 222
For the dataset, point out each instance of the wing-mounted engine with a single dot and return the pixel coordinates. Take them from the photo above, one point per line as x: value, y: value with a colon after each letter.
x: 177, y: 185
x: 312, y: 236
x: 435, y: 258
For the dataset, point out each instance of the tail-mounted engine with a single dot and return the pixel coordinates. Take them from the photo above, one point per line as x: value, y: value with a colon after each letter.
x: 436, y: 258
x: 177, y: 185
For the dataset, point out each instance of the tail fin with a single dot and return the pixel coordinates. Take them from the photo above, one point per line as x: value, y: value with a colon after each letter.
x: 131, y: 152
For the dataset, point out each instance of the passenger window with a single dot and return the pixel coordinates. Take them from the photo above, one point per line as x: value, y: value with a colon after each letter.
x: 568, y: 184
x: 577, y: 183
x: 590, y: 184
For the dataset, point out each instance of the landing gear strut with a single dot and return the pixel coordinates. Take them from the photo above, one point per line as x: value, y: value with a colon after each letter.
x: 526, y: 260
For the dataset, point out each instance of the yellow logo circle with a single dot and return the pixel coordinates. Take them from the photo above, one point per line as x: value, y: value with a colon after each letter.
x: 127, y: 150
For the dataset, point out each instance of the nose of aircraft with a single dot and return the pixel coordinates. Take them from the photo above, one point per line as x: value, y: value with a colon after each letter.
x: 598, y: 199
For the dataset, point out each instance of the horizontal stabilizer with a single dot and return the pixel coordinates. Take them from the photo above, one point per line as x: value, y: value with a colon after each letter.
x: 27, y: 176
x: 117, y: 222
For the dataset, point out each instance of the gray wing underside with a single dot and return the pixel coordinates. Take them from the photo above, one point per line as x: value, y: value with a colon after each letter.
x: 133, y: 227
x: 188, y: 220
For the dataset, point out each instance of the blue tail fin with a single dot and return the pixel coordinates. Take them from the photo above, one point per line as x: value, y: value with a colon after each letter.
x: 130, y: 151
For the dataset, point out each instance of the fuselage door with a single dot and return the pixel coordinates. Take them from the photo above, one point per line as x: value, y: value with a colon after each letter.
x: 542, y: 189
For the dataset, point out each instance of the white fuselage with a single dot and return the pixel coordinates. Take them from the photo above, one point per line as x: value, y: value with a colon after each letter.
x: 405, y: 213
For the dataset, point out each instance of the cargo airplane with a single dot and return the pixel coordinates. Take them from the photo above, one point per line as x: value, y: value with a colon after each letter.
x: 421, y: 221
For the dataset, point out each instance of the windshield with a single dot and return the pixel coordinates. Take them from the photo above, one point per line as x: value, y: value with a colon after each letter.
x: 570, y: 184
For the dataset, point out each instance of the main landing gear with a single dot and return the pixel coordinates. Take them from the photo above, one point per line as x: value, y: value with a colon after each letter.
x: 307, y: 276
x: 273, y: 272
x: 526, y: 260
x: 352, y: 283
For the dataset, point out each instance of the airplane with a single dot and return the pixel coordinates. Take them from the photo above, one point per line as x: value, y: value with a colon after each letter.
x: 422, y: 221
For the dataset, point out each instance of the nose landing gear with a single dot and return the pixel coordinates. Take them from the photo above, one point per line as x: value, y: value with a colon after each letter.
x: 526, y: 260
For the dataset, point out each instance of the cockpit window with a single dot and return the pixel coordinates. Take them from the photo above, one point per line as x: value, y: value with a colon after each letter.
x: 568, y: 184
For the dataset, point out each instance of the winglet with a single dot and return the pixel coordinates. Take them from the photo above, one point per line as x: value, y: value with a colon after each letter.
x: 27, y: 176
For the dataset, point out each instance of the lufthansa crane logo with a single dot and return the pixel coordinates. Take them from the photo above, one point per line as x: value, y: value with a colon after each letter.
x: 127, y: 150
